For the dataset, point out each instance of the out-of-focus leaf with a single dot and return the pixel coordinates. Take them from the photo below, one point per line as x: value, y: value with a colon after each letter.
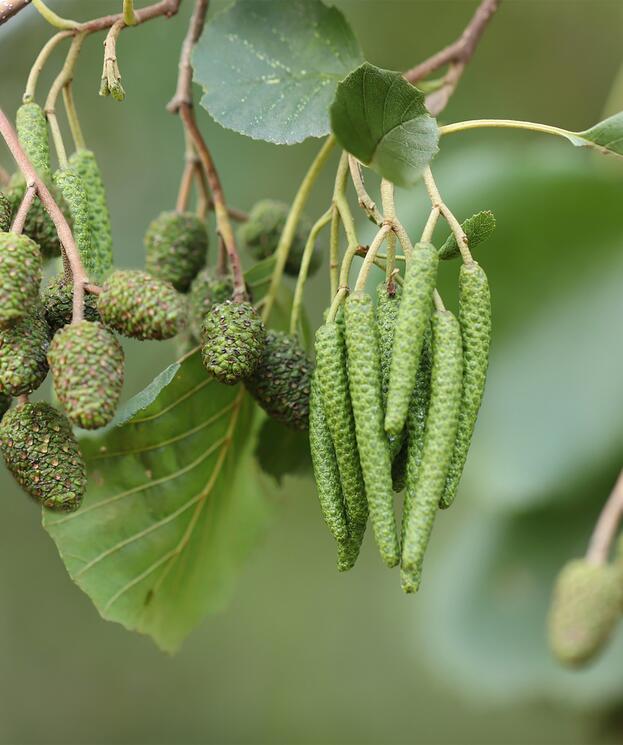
x: 282, y: 451
x: 477, y: 228
x: 607, y: 135
x: 269, y: 68
x: 382, y: 120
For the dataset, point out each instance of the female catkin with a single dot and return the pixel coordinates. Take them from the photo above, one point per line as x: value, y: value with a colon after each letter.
x: 74, y: 193
x: 387, y: 304
x: 32, y: 132
x: 475, y: 322
x: 425, y: 491
x: 332, y: 377
x: 365, y: 383
x: 413, y: 316
x: 326, y: 471
x: 85, y: 165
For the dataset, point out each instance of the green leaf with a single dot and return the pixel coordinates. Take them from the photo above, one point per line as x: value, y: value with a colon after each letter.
x: 281, y: 451
x: 607, y: 135
x: 477, y: 228
x: 382, y: 120
x: 269, y: 68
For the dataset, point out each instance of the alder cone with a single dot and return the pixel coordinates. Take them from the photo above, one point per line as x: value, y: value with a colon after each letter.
x: 233, y: 338
x: 208, y: 289
x: 86, y: 361
x: 41, y: 452
x: 281, y: 383
x: 23, y: 355
x: 176, y: 245
x: 137, y: 305
x: 58, y: 303
x: 6, y: 212
x: 20, y: 276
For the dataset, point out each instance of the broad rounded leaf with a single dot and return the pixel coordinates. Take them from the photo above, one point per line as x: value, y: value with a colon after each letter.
x: 607, y: 135
x: 270, y: 68
x: 477, y: 228
x: 382, y: 120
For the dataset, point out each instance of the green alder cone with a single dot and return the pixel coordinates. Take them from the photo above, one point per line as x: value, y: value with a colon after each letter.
x: 135, y: 304
x: 23, y: 355
x: 365, y: 385
x: 233, y: 338
x: 176, y: 246
x: 387, y: 305
x: 475, y: 322
x: 585, y: 609
x: 57, y: 301
x: 74, y: 194
x: 326, y: 472
x: 331, y: 370
x: 208, y: 289
x: 416, y: 428
x: 39, y: 225
x: 86, y: 361
x: 281, y: 382
x: 43, y: 456
x: 439, y: 437
x: 6, y: 212
x: 83, y: 162
x: 261, y: 232
x: 32, y: 132
x: 20, y: 276
x: 413, y: 316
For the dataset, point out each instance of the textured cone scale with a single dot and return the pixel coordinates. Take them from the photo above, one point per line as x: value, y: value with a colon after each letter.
x: 281, y: 383
x: 6, y: 212
x: 23, y: 355
x: 57, y: 300
x: 232, y: 341
x: 137, y: 305
x: 42, y: 453
x: 585, y: 609
x: 261, y: 232
x: 176, y: 246
x: 86, y: 361
x: 20, y: 276
x: 208, y: 289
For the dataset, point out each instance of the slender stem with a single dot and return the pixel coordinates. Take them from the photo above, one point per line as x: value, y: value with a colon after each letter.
x: 183, y: 90
x: 52, y: 18
x: 186, y: 184
x: 308, y: 252
x: 437, y: 301
x: 39, y: 64
x: 289, y: 230
x: 70, y: 250
x: 4, y: 177
x: 365, y: 200
x: 334, y: 249
x: 351, y: 251
x: 9, y: 8
x: 129, y: 16
x: 223, y: 225
x: 377, y: 242
x: 389, y: 215
x: 26, y: 204
x: 448, y: 129
x: 335, y: 305
x: 72, y: 117
x: 607, y: 525
x: 455, y: 225
x: 403, y: 237
x: 429, y: 228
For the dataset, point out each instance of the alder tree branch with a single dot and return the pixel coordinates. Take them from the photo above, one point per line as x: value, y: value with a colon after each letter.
x: 183, y: 90
x: 70, y: 250
x: 10, y: 8
x: 607, y: 525
x: 22, y: 212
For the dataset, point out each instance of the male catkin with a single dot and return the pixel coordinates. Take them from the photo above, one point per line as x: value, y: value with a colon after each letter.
x: 85, y: 165
x: 331, y: 369
x: 365, y: 384
x: 425, y: 492
x: 74, y: 193
x: 413, y: 316
x: 387, y: 304
x: 32, y: 132
x: 475, y: 322
x: 326, y: 472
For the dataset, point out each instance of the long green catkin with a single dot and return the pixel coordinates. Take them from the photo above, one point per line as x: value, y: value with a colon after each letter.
x: 32, y: 132
x: 439, y: 437
x: 332, y: 377
x: 365, y: 382
x: 74, y: 193
x: 85, y: 165
x: 475, y: 322
x: 326, y: 472
x: 413, y: 316
x: 387, y: 304
x: 416, y: 427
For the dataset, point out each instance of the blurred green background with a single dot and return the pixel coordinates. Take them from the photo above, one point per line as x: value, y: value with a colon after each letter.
x: 303, y: 655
